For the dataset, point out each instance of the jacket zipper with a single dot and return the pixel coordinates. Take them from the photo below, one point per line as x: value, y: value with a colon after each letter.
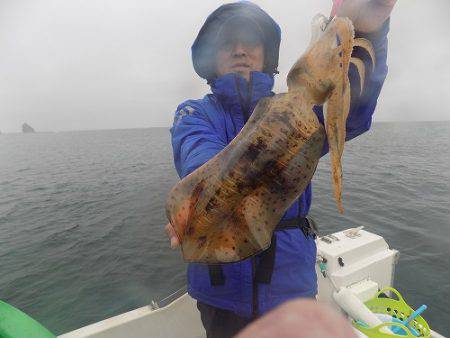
x: 255, y: 306
x: 249, y: 98
x: 245, y: 104
x: 245, y: 107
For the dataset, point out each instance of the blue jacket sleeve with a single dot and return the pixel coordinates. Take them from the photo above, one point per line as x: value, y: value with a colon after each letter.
x: 363, y: 106
x: 194, y: 139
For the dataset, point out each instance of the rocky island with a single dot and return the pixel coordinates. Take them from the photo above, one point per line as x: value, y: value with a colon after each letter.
x: 26, y: 128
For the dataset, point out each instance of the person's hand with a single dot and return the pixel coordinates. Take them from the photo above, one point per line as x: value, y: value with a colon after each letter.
x: 300, y: 319
x: 367, y: 15
x: 170, y: 231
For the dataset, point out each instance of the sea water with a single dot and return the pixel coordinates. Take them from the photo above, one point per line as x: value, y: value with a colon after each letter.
x: 82, y: 217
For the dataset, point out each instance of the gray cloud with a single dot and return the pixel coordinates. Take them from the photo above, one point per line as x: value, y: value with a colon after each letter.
x: 96, y: 64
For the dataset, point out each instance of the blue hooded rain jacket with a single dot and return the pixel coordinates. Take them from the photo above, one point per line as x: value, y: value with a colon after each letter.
x: 204, y: 127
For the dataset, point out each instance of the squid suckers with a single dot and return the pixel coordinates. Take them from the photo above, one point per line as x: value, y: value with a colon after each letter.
x: 227, y: 209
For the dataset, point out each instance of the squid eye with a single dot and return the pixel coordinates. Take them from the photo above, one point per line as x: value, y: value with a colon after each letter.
x: 338, y: 40
x: 324, y: 24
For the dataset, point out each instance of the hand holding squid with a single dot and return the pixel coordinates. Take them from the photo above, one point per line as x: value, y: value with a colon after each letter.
x: 367, y: 16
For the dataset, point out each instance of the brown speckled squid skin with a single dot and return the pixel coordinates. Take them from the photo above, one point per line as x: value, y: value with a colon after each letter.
x: 227, y: 209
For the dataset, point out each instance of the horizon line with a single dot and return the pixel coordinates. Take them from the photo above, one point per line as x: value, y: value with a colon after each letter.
x: 167, y: 127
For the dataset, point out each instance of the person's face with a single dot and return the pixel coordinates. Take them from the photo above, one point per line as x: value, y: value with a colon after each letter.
x: 240, y: 57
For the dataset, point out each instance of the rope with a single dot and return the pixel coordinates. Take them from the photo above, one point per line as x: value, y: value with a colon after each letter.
x: 181, y: 290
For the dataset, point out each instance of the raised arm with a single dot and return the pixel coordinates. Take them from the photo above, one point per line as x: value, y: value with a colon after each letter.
x: 362, y: 106
x: 371, y: 21
x: 194, y: 139
x: 194, y: 142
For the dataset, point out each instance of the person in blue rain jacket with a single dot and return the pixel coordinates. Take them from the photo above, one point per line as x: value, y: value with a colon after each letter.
x: 236, y: 51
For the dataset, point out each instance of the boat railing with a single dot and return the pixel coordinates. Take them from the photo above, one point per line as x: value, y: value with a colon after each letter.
x: 158, y: 303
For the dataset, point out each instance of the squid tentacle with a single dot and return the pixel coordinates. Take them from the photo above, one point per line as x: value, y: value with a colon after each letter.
x: 367, y: 46
x: 361, y: 72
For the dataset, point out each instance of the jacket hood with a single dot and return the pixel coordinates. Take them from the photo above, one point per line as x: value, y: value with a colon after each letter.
x: 204, y: 48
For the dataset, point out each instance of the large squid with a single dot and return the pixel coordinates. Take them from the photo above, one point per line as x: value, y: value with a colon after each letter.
x: 227, y: 209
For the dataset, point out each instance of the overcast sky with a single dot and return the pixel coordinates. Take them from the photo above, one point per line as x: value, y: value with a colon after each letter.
x: 103, y: 64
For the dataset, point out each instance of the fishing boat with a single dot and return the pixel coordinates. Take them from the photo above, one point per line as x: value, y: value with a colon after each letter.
x: 356, y: 260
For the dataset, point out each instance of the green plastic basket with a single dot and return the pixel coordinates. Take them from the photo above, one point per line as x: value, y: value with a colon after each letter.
x: 396, y: 308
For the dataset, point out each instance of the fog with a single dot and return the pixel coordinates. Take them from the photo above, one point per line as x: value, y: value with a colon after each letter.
x: 107, y: 64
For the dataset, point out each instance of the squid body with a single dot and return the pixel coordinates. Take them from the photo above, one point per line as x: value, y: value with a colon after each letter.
x: 227, y: 209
